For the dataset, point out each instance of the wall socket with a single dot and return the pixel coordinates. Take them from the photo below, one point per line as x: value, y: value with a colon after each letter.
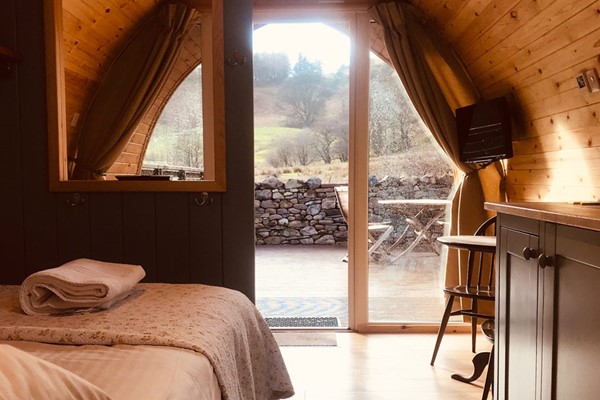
x: 581, y: 81
x: 592, y: 80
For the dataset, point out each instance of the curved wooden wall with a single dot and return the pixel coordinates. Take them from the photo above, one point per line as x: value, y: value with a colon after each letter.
x: 532, y: 51
x: 528, y: 50
x: 93, y: 33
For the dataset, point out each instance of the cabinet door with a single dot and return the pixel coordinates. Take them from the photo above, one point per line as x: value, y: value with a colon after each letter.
x: 572, y: 299
x: 517, y: 311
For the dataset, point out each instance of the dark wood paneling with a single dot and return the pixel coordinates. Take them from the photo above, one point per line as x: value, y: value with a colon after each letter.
x: 172, y: 238
x: 238, y: 201
x: 106, y: 227
x: 206, y: 254
x: 73, y: 233
x: 12, y: 246
x: 139, y: 232
x: 39, y: 205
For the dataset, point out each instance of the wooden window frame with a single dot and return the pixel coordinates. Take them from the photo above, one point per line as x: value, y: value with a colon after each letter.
x: 213, y: 114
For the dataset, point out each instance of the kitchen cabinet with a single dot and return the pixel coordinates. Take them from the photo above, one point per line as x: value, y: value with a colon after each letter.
x: 547, y: 303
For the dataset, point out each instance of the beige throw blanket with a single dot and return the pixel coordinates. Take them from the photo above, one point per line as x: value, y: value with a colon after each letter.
x: 79, y: 285
x: 220, y: 323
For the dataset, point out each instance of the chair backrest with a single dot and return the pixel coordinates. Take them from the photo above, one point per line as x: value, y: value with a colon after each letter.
x: 341, y: 194
x: 484, y: 277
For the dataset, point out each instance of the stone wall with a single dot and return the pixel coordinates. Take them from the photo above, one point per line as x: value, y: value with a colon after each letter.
x: 298, y: 212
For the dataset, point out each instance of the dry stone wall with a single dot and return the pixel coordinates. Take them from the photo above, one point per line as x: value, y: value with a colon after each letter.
x: 306, y: 212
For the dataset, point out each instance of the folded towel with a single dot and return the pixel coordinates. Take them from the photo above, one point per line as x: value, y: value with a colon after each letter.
x: 79, y: 285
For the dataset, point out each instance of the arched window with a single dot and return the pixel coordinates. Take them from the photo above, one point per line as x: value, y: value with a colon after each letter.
x: 176, y: 142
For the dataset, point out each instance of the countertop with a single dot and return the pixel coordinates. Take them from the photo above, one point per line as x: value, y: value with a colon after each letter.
x: 572, y: 214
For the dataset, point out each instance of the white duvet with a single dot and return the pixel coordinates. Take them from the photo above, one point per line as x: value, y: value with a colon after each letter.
x: 220, y: 323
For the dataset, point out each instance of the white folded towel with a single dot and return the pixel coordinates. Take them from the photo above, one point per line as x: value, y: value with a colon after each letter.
x: 79, y: 285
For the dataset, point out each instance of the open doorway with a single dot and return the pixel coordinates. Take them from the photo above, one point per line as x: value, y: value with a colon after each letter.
x: 363, y: 133
x: 301, y: 91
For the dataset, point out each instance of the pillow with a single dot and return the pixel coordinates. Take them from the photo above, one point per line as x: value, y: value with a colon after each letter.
x: 25, y: 376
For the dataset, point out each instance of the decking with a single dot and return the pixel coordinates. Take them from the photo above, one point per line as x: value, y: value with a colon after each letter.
x: 311, y: 281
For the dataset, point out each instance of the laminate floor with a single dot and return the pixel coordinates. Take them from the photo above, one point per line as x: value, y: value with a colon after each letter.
x: 384, y: 367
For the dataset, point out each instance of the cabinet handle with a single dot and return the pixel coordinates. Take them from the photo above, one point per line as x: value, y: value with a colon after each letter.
x: 529, y: 253
x: 544, y: 261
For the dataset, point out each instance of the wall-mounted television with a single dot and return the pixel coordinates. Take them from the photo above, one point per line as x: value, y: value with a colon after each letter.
x: 484, y: 131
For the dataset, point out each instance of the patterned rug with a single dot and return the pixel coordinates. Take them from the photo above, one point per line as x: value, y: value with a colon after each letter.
x: 303, y: 322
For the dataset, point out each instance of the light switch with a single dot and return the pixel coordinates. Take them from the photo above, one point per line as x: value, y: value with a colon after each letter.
x: 592, y: 80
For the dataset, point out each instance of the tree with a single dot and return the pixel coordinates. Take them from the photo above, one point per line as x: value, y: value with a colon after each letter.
x: 341, y: 145
x: 392, y: 120
x: 303, y: 148
x: 281, y: 152
x: 323, y: 140
x: 303, y: 95
x: 270, y: 68
x: 189, y: 150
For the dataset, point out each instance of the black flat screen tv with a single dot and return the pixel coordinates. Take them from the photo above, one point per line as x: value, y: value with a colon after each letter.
x: 484, y: 131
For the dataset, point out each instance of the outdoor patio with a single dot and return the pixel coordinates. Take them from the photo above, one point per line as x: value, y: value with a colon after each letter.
x: 311, y: 281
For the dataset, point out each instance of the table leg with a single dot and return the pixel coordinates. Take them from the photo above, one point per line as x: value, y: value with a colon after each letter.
x: 420, y: 236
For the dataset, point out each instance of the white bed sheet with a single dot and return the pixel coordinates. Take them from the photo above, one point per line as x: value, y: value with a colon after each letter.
x: 128, y: 372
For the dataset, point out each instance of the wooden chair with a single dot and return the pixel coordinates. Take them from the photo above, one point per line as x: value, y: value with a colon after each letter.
x: 377, y: 232
x: 478, y: 287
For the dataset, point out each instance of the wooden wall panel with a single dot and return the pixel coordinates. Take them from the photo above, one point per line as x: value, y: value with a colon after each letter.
x: 532, y: 54
x: 206, y: 253
x: 238, y: 201
x: 139, y: 232
x: 73, y: 227
x: 557, y: 156
x: 12, y: 246
x: 39, y: 205
x: 106, y: 226
x: 172, y: 238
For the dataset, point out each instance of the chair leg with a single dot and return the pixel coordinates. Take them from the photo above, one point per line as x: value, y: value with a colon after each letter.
x: 474, y: 326
x: 442, y: 329
x: 489, y: 378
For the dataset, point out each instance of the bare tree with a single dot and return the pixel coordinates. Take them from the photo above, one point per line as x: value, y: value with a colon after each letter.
x: 281, y: 152
x: 324, y: 138
x: 341, y: 145
x: 392, y: 120
x: 303, y: 148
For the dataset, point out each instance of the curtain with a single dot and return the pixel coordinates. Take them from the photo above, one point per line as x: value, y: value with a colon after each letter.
x: 129, y: 88
x: 437, y: 83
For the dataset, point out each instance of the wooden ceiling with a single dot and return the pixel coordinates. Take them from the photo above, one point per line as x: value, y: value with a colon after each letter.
x: 527, y: 50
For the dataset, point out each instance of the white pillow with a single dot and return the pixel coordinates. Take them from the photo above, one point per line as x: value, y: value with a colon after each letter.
x: 25, y: 376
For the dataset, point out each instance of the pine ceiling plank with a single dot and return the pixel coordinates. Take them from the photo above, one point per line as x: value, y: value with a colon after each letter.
x: 562, y: 140
x: 470, y: 11
x: 514, y: 29
x: 560, y: 102
x: 477, y: 31
x: 545, y: 30
x: 573, y: 176
x: 573, y: 120
x: 542, y: 62
x: 532, y: 192
x: 572, y: 158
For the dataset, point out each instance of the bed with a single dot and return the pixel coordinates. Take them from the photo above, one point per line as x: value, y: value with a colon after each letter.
x: 164, y: 341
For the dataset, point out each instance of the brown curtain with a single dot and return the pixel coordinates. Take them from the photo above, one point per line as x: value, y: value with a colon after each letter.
x: 437, y: 83
x: 129, y: 88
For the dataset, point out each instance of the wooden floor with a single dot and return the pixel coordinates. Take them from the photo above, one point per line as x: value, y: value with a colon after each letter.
x: 384, y: 367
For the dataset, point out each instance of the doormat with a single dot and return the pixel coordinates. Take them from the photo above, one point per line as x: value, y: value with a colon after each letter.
x: 305, y: 338
x: 303, y: 322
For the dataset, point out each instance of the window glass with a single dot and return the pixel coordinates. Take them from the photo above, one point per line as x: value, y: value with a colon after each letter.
x: 176, y: 142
